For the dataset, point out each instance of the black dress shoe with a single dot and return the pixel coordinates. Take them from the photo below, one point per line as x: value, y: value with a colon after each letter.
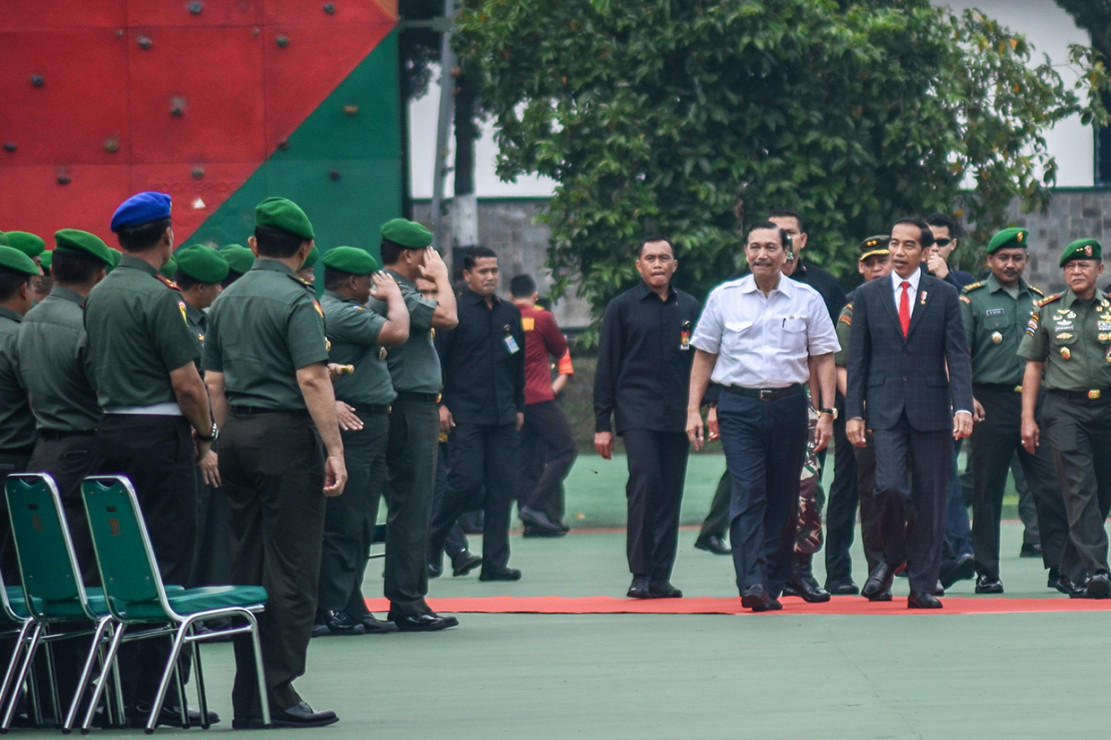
x: 960, y: 569
x: 168, y: 716
x: 713, y: 544
x: 1030, y: 550
x: 881, y: 596
x: 532, y: 530
x: 1071, y: 588
x: 1099, y: 585
x: 499, y: 574
x: 430, y: 622
x: 842, y: 588
x: 375, y: 626
x: 919, y: 600
x: 939, y: 590
x: 664, y: 590
x: 804, y: 586
x: 435, y: 571
x: 756, y: 598
x: 986, y: 584
x: 463, y: 563
x: 880, y: 580
x: 299, y: 715
x: 640, y: 588
x: 540, y: 524
x: 332, y: 622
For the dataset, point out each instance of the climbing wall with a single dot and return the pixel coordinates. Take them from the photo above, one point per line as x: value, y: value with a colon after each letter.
x: 220, y: 103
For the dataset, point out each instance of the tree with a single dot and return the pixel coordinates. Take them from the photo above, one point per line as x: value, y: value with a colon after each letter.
x: 663, y: 117
x: 1094, y: 16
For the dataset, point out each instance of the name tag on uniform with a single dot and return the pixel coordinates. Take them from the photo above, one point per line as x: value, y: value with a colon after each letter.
x: 511, y: 344
x: 994, y: 312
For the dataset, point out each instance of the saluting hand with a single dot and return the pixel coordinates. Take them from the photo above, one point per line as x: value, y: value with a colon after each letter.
x: 433, y: 266
x: 383, y: 286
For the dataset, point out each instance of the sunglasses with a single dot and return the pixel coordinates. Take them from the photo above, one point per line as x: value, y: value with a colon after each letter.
x: 942, y: 242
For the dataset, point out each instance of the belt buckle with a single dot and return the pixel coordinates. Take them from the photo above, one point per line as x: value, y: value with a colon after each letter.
x: 1018, y: 389
x: 765, y: 394
x: 1094, y: 395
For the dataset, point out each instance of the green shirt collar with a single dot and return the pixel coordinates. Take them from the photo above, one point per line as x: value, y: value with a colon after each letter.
x: 995, y: 286
x: 66, y: 294
x: 7, y: 313
x: 1068, y: 297
x: 137, y: 264
x: 339, y: 297
x: 267, y: 263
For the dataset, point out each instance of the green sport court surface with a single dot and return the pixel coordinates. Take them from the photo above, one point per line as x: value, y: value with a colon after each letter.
x: 782, y: 675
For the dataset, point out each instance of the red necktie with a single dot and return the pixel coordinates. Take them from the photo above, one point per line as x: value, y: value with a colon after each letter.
x: 904, y: 308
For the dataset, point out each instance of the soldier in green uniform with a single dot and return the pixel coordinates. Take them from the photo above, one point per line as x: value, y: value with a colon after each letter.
x: 265, y: 355
x: 17, y: 424
x: 31, y: 245
x: 56, y: 371
x: 874, y: 262
x: 46, y: 283
x: 239, y: 259
x: 359, y: 338
x: 995, y: 313
x: 1068, y: 338
x: 157, y: 423
x: 199, y: 271
x: 411, y: 451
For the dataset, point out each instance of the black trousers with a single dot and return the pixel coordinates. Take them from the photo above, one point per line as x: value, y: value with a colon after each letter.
x: 657, y: 470
x: 913, y: 471
x: 213, y: 535
x: 272, y: 467
x: 871, y: 537
x: 69, y: 458
x: 456, y: 540
x: 995, y: 442
x: 717, y: 518
x: 410, y: 480
x: 349, y: 519
x: 765, y: 447
x: 841, y: 505
x: 1079, y: 431
x: 547, y: 452
x: 479, y: 454
x: 156, y: 453
x: 12, y: 461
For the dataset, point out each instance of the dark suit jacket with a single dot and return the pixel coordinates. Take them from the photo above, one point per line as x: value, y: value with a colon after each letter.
x: 896, y: 375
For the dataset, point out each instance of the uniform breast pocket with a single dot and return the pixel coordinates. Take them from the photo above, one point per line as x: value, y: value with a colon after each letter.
x: 999, y: 322
x: 1063, y: 336
x: 736, y: 334
x: 793, y: 333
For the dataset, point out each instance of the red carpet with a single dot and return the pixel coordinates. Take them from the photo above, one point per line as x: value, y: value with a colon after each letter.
x: 709, y: 605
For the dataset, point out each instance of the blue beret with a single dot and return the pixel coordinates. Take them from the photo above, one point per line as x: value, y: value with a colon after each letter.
x: 141, y: 208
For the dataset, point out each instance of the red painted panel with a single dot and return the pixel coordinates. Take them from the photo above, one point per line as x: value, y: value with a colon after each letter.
x: 194, y: 199
x: 212, y: 13
x: 302, y: 65
x: 81, y: 103
x: 29, y: 15
x: 42, y: 206
x: 302, y: 12
x: 215, y: 76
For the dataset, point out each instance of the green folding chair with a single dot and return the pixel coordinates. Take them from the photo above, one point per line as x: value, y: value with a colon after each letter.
x: 54, y: 594
x: 16, y: 624
x: 137, y: 596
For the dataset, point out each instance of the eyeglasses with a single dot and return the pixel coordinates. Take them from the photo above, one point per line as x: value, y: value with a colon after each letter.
x: 942, y: 242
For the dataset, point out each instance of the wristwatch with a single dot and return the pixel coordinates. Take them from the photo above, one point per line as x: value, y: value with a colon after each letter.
x: 831, y: 412
x: 211, y: 435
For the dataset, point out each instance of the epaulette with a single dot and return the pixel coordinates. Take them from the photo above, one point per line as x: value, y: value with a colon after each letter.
x: 168, y: 283
x: 1035, y: 290
x: 972, y: 286
x: 1047, y: 300
x: 299, y: 281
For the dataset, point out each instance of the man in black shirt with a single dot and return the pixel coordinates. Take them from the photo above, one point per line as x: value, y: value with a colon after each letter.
x: 482, y: 409
x: 643, y: 374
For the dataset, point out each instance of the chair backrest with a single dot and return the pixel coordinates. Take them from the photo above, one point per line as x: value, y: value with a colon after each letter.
x: 47, y: 563
x: 123, y: 550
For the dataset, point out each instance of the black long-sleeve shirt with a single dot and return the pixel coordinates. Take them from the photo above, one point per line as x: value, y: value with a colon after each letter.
x: 644, y: 361
x: 484, y: 374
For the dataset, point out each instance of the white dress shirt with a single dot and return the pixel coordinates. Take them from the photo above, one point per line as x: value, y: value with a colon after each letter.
x: 764, y: 341
x: 912, y: 291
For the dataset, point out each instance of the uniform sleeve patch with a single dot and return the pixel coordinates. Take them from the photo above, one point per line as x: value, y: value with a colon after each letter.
x: 966, y: 299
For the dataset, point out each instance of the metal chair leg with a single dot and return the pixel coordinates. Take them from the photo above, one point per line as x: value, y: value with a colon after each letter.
x: 104, y: 625
x: 106, y: 669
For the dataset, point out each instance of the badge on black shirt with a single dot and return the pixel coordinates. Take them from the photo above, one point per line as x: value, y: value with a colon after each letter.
x: 685, y: 337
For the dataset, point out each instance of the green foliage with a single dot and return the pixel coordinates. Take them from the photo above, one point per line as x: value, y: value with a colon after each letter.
x: 676, y: 117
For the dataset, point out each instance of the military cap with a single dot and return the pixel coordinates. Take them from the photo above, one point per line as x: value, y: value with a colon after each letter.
x: 311, y: 259
x: 46, y: 259
x: 406, y: 233
x: 284, y: 215
x: 141, y: 208
x: 873, y: 245
x: 31, y: 245
x: 83, y: 244
x: 3, y: 238
x: 1081, y: 249
x: 350, y: 260
x: 169, y: 270
x: 13, y: 260
x: 203, y: 264
x: 1012, y: 237
x: 116, y: 255
x: 238, y: 257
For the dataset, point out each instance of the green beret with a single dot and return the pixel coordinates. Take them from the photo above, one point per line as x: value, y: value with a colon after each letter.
x: 3, y: 238
x: 116, y: 256
x: 350, y: 260
x: 1081, y: 249
x: 873, y: 245
x: 169, y: 270
x: 46, y: 259
x: 406, y: 233
x: 13, y: 260
x: 201, y: 263
x: 284, y: 215
x: 31, y: 245
x: 311, y: 259
x: 238, y: 257
x: 82, y: 244
x: 1012, y: 237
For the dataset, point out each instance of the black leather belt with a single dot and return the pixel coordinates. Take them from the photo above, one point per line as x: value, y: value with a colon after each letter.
x: 765, y: 394
x: 413, y: 396
x: 999, y: 387
x: 256, y: 411
x: 52, y: 435
x: 1095, y: 394
x: 368, y: 408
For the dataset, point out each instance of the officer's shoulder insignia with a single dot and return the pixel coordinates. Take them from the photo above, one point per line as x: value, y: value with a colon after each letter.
x: 1047, y: 300
x: 318, y: 307
x: 966, y: 299
x: 299, y: 281
x: 972, y: 286
x: 1035, y: 290
x: 167, y: 282
x: 184, y: 313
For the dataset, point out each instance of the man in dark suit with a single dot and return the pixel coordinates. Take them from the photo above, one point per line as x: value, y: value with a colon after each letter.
x: 909, y: 371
